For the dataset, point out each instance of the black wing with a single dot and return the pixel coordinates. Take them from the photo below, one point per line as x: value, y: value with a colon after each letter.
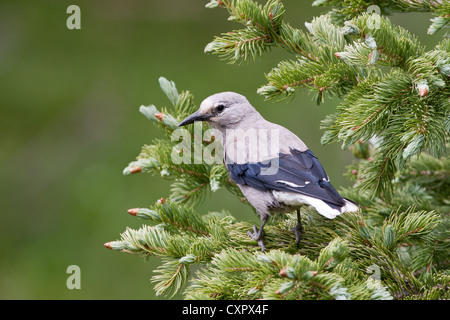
x: 297, y: 171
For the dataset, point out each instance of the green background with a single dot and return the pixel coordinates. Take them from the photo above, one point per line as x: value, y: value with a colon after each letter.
x: 70, y: 123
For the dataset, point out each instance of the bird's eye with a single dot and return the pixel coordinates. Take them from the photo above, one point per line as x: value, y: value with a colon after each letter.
x: 220, y: 107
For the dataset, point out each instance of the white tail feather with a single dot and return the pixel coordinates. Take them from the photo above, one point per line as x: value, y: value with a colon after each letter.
x: 296, y: 199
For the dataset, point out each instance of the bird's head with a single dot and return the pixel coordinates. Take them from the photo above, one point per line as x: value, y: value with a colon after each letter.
x: 222, y: 111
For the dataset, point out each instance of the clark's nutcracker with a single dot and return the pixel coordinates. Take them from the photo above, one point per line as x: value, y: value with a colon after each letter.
x: 274, y: 169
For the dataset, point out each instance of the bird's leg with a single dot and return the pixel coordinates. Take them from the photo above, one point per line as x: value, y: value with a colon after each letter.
x: 258, y: 235
x: 298, y: 229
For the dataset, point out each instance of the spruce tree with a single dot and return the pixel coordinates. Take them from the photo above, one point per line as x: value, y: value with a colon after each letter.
x: 393, y: 115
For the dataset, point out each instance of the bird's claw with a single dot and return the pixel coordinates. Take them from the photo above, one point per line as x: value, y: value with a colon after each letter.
x: 298, y: 230
x: 258, y: 236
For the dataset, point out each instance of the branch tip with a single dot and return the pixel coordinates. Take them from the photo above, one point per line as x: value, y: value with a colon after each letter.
x: 135, y: 169
x: 133, y: 211
x: 283, y: 272
x: 159, y: 116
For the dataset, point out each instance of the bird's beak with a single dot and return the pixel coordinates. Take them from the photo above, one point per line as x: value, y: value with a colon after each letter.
x: 196, y: 116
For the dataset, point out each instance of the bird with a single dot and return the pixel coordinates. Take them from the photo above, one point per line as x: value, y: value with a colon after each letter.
x: 277, y: 172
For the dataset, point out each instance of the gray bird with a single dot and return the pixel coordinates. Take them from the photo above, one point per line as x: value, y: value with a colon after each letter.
x: 274, y: 169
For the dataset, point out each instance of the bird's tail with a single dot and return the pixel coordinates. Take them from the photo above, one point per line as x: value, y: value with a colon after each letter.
x: 331, y: 210
x: 349, y: 206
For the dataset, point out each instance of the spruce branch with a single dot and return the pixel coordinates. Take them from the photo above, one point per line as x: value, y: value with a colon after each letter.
x: 346, y: 10
x: 262, y: 29
x: 191, y: 178
x: 393, y: 116
x: 347, y: 62
x: 240, y: 45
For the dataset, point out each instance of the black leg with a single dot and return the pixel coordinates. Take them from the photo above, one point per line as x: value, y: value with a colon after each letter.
x: 298, y: 229
x: 258, y: 235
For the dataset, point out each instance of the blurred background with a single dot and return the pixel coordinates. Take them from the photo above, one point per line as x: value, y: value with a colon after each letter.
x: 69, y: 124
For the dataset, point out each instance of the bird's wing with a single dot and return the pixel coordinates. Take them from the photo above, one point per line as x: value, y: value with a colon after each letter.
x: 296, y: 171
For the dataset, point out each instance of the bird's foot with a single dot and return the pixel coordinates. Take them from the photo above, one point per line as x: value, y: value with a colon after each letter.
x: 298, y: 230
x: 258, y: 236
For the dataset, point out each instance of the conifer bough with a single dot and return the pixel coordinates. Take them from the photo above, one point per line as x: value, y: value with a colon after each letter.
x: 393, y: 116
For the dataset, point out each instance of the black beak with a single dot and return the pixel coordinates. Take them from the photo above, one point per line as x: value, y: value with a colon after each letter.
x: 196, y: 116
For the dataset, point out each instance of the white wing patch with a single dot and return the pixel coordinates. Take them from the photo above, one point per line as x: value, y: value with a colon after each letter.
x: 290, y: 184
